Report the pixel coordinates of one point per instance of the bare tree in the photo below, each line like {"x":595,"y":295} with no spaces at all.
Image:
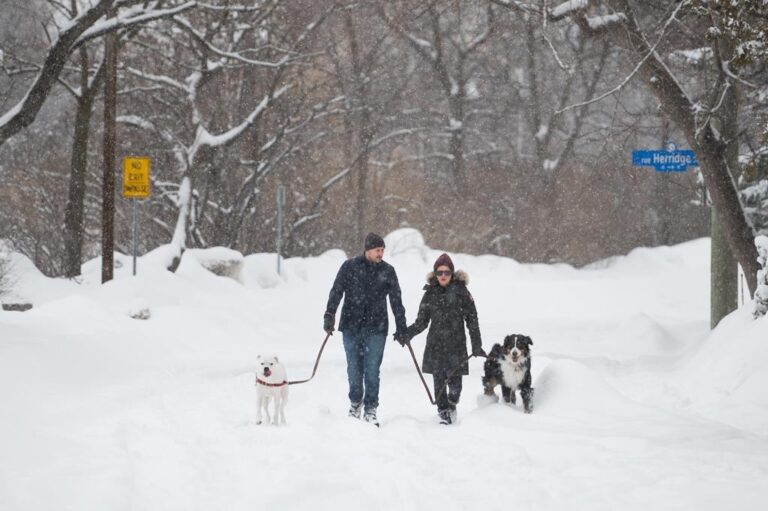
{"x":447,"y":36}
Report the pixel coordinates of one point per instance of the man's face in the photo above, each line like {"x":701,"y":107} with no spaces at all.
{"x":375,"y":255}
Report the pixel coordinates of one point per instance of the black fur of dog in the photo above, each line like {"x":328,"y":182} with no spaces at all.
{"x":509,"y":365}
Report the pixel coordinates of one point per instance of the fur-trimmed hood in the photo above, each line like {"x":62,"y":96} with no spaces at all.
{"x":459,"y":276}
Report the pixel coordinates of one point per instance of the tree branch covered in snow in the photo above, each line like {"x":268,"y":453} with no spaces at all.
{"x":89,"y":24}
{"x":132,"y":17}
{"x":24,"y":113}
{"x":613,"y":22}
{"x":519,"y":6}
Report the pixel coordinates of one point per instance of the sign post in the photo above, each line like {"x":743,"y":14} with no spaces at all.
{"x":136,"y":186}
{"x":280,"y":204}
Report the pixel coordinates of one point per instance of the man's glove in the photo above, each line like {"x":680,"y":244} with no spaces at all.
{"x":479,"y":352}
{"x":402,"y":338}
{"x":328,"y":321}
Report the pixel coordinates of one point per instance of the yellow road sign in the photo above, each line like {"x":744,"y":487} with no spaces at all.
{"x":136,"y":177}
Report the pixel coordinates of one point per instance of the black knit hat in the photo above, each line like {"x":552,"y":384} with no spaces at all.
{"x":373,"y":241}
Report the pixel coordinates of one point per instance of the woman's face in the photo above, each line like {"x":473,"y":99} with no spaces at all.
{"x":444,"y":275}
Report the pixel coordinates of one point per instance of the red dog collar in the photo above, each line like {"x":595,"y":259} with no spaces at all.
{"x":260,"y":382}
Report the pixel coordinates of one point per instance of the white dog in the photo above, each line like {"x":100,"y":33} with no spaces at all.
{"x":271,"y":385}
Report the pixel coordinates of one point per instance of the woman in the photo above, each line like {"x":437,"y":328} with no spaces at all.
{"x":445,"y":307}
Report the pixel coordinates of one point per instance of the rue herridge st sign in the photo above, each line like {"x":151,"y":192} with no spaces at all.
{"x":670,"y":159}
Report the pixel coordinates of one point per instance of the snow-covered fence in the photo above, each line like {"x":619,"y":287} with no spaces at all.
{"x":761,"y":293}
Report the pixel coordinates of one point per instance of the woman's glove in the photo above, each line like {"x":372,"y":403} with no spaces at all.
{"x":479,"y":352}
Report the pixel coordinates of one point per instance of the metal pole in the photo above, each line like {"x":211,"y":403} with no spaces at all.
{"x":280,"y":202}
{"x":135,"y":243}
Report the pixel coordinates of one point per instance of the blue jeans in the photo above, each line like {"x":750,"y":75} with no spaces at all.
{"x":364,"y":355}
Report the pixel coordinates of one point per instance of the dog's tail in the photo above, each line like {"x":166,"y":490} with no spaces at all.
{"x":495,"y":351}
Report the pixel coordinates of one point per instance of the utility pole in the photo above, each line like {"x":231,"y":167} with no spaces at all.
{"x":110,"y":129}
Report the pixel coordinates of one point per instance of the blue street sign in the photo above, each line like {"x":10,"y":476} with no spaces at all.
{"x":665,"y":160}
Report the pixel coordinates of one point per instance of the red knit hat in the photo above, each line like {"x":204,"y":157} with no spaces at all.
{"x":443,"y":260}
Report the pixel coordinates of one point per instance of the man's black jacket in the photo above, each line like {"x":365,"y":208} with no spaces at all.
{"x":365,"y":286}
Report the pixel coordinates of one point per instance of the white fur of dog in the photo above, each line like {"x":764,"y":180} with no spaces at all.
{"x":271,"y":385}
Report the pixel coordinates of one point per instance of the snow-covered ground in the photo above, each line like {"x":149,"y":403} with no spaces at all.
{"x":638,"y":405}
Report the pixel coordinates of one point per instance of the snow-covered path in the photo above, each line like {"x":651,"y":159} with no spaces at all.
{"x":637,"y":406}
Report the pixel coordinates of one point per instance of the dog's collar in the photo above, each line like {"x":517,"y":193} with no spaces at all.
{"x":262,"y":382}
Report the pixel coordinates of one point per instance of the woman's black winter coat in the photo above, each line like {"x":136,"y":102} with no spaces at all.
{"x":445,"y":310}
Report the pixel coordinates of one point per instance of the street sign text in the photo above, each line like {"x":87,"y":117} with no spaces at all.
{"x":136,"y":177}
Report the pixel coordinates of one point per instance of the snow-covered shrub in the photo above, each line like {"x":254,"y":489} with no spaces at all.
{"x":5,"y":271}
{"x":761,"y":293}
{"x":755,"y":200}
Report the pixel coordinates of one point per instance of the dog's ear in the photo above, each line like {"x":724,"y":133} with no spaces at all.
{"x":528,"y":340}
{"x":258,"y":357}
{"x":276,"y":360}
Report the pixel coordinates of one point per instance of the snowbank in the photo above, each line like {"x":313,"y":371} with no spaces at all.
{"x":727,"y":372}
{"x":637,"y":405}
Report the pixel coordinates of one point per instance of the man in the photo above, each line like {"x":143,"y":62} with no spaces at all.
{"x":365,"y":281}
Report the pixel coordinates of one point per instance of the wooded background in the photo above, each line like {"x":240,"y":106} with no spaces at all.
{"x":493,"y":127}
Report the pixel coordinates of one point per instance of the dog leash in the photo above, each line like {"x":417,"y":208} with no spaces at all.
{"x":317,"y":362}
{"x":448,"y":375}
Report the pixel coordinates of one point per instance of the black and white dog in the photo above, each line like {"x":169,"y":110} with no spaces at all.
{"x":509,"y":365}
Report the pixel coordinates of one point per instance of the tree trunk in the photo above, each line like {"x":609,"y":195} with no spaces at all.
{"x":75,"y":209}
{"x":179,"y":240}
{"x":364,"y":129}
{"x":724,"y":286}
{"x":108,"y":191}
{"x":458,"y":158}
{"x":724,"y":275}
